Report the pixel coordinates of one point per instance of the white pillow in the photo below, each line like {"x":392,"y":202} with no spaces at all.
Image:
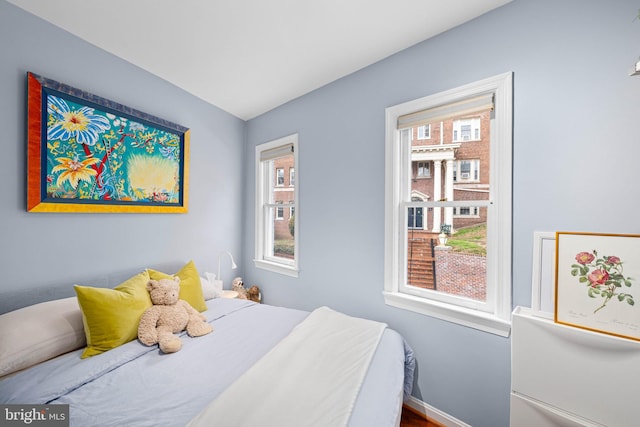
{"x":39,"y":332}
{"x":211,"y":288}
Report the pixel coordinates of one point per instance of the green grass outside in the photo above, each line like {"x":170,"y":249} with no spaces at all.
{"x":470,"y":240}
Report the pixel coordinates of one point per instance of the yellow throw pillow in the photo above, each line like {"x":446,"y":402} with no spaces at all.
{"x":190,"y":285}
{"x":111,"y":316}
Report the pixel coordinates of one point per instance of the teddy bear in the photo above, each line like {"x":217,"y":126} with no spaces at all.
{"x":253,"y":294}
{"x":238,"y":285}
{"x":169,"y":315}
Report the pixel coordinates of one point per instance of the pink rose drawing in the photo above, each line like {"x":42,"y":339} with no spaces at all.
{"x":598,"y":277}
{"x":584,"y":258}
{"x":613,"y":260}
{"x":604,"y":278}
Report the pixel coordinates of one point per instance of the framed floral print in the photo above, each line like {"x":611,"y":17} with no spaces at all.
{"x":88,"y":154}
{"x":597,"y":282}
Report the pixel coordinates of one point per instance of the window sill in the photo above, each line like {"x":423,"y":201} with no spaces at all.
{"x":462,"y":316}
{"x":276,"y":267}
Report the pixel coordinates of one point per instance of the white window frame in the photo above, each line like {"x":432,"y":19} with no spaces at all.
{"x":263,"y":231}
{"x":494,"y":315}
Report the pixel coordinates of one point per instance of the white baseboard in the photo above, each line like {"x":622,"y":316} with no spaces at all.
{"x":433,"y":413}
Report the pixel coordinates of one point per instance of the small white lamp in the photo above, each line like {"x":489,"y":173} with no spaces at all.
{"x":233,"y":265}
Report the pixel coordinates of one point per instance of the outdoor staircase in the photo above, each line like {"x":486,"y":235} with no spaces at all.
{"x":421,"y":266}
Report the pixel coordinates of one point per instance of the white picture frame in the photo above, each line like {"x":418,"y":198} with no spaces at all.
{"x":543,"y":274}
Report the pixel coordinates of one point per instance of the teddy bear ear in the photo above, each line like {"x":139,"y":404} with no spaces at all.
{"x":176,"y":279}
{"x":152,"y":284}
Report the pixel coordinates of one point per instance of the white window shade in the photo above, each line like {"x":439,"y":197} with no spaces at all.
{"x":276,"y":153}
{"x":465,"y":107}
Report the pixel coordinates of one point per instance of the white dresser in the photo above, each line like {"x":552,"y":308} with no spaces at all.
{"x":565,"y":376}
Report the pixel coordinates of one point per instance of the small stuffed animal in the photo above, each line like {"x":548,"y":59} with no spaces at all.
{"x":253,"y":294}
{"x":168,"y":316}
{"x":238,"y":285}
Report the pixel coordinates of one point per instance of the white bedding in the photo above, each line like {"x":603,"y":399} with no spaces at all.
{"x":135,"y":385}
{"x":317,"y":371}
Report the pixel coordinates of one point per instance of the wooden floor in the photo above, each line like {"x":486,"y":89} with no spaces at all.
{"x":413,"y":419}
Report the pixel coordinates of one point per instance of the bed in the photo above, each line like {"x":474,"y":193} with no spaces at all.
{"x":277,"y":365}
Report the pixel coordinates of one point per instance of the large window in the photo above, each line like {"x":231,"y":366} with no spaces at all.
{"x":459,"y":269}
{"x":277,"y":227}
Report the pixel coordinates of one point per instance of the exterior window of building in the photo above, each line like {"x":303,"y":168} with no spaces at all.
{"x":466,"y":130}
{"x":466,"y":211}
{"x":466,"y":170}
{"x":276,"y":230}
{"x":415,"y":218}
{"x":424,"y":132}
{"x":457,"y":266}
{"x":424,"y":169}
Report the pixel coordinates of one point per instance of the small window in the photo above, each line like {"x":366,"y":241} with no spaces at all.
{"x":466,"y":130}
{"x":465,"y":211}
{"x":276,"y":236}
{"x":424,"y":132}
{"x":466,"y":170}
{"x":415,"y":218}
{"x":424,"y":169}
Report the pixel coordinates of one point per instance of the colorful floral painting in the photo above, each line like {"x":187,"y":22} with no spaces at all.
{"x":94,"y":155}
{"x":595,"y":277}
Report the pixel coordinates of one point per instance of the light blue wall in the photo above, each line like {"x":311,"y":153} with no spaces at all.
{"x":44,"y":248}
{"x":576,"y":153}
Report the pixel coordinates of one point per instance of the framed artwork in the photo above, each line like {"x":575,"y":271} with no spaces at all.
{"x":88,"y":154}
{"x":598,"y":282}
{"x":542,"y":285}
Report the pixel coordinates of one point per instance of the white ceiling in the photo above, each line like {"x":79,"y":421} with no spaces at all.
{"x":249,"y":56}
